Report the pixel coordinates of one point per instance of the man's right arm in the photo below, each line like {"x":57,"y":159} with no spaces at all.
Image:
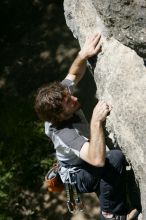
{"x":94,"y":152}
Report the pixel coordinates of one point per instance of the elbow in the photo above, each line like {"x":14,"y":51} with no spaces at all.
{"x":98,"y":163}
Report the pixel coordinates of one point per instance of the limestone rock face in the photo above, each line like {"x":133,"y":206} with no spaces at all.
{"x":126,"y":21}
{"x":119,"y":72}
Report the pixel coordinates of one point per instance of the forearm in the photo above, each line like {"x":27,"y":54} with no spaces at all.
{"x":97,"y":147}
{"x":94,"y":152}
{"x":77,"y":69}
{"x":91,"y":47}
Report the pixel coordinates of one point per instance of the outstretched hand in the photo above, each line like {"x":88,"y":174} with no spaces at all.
{"x":91,"y":46}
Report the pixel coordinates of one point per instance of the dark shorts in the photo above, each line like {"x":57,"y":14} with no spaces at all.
{"x":109,"y":181}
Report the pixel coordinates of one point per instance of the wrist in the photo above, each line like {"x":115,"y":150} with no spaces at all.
{"x":96,"y":124}
{"x":83,"y":56}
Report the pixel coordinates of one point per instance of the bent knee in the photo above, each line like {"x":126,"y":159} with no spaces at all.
{"x":116,"y":158}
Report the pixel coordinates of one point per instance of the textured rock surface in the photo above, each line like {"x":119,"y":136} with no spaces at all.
{"x":120,"y":76}
{"x":126,"y":20}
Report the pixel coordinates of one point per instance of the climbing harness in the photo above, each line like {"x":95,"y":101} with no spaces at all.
{"x":54,"y":184}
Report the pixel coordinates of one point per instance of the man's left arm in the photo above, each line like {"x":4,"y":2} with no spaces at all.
{"x":91,"y":47}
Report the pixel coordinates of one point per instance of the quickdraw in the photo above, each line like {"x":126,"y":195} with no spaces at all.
{"x":69,"y":202}
{"x":74,"y":202}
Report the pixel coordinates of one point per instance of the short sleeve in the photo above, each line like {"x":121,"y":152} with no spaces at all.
{"x":71,"y":138}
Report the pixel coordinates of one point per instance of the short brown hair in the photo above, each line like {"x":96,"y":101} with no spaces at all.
{"x":48,"y":101}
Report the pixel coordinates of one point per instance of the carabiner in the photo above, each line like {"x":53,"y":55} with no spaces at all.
{"x":71,"y":207}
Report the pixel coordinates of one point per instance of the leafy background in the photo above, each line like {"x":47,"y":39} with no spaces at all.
{"x":36,"y":48}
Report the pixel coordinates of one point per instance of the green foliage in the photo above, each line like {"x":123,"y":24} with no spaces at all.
{"x":4,"y":217}
{"x":25,"y":155}
{"x":34,"y":44}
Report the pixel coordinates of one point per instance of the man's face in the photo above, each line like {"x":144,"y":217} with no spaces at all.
{"x":70,"y":104}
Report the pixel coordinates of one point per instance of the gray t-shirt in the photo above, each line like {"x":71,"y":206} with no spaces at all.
{"x":69,"y":137}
